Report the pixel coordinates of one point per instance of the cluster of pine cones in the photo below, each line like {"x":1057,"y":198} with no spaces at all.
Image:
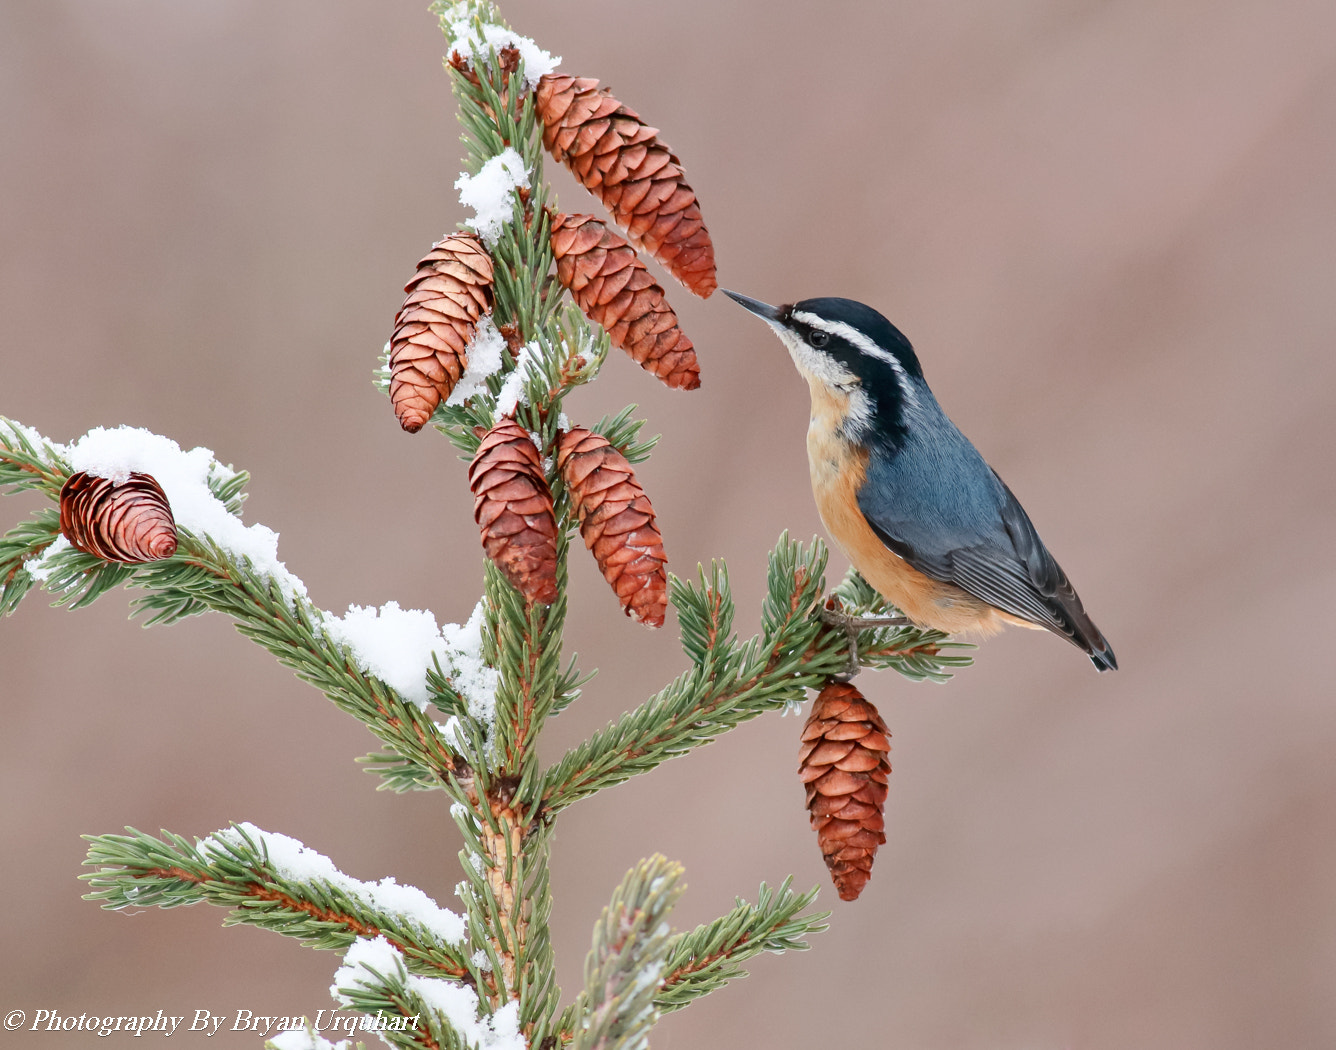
{"x":638,"y":179}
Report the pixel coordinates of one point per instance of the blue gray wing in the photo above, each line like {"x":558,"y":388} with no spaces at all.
{"x":947,"y":513}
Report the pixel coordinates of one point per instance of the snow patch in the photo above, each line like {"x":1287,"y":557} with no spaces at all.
{"x":13,"y":433}
{"x":295,"y":862}
{"x":396,"y":645}
{"x":474,"y":45}
{"x":466,"y":670}
{"x":484,"y":359}
{"x":511,"y":394}
{"x":399,"y":646}
{"x":456,"y":1003}
{"x":184,"y":476}
{"x":490,"y":193}
{"x":365,"y":959}
{"x":303,"y":1039}
{"x":41,"y":567}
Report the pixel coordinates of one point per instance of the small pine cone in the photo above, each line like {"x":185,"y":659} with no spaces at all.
{"x":613,"y":288}
{"x":620,"y":160}
{"x":617,"y":523}
{"x":126,"y":521}
{"x":451,"y":290}
{"x":513,"y":508}
{"x":843,"y":763}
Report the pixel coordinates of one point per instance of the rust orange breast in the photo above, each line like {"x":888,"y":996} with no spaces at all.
{"x":838,"y":470}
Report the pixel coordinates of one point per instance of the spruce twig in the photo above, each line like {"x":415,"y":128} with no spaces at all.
{"x":711,"y":955}
{"x":625,"y":967}
{"x":138,"y":870}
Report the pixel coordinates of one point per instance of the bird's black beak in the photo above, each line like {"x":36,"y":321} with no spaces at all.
{"x":762,"y":310}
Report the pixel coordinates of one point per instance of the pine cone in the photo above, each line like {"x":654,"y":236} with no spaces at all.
{"x":613,"y":288}
{"x":844,"y":765}
{"x":513,"y":508}
{"x":620,"y":160}
{"x":127,"y":521}
{"x":617,"y":523}
{"x":451,"y":290}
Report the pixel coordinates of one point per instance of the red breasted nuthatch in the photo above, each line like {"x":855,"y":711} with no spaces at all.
{"x":906,"y":496}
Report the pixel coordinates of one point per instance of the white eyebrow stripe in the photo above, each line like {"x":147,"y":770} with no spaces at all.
{"x":864,"y":345}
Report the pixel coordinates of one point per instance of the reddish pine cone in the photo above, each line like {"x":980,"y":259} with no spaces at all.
{"x":513,"y":508}
{"x":617,"y":523}
{"x":620,"y":160}
{"x":127,"y":521}
{"x":451,"y":290}
{"x":613,"y":288}
{"x":844,"y":765}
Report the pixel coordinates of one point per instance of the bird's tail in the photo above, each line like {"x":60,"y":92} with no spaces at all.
{"x":1089,"y":638}
{"x":1101,"y":655}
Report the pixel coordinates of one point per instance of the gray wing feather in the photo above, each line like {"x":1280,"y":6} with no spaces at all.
{"x":938,"y":505}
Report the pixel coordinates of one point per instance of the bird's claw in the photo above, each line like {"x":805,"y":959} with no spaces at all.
{"x":851,"y":625}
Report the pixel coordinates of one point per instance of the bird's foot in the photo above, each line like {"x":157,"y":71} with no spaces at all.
{"x":851,"y":625}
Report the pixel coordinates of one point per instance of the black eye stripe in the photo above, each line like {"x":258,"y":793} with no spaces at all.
{"x":816,"y":337}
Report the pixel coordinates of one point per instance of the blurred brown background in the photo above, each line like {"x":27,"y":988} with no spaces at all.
{"x":1110,"y":229}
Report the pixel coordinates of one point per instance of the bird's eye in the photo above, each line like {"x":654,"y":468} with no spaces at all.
{"x":818,"y":338}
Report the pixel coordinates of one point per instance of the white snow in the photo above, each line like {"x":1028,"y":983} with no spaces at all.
{"x":11,"y":431}
{"x":484,"y":359}
{"x":394,"y":644}
{"x":489,"y":193}
{"x":465,"y":39}
{"x":453,"y":732}
{"x":184,"y":476}
{"x":398,"y":646}
{"x":511,"y":393}
{"x":465,"y":669}
{"x":40,"y":567}
{"x":303,"y":1039}
{"x":296,"y":862}
{"x":456,"y":1003}
{"x":365,"y":955}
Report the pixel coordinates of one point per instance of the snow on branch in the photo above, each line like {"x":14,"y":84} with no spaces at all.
{"x":295,"y":862}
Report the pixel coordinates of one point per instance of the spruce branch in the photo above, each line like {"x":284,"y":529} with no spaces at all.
{"x":203,"y":577}
{"x":625,"y":966}
{"x":711,"y":955}
{"x":26,"y":541}
{"x":706,"y":615}
{"x":138,"y":870}
{"x":397,"y":773}
{"x":793,"y":652}
{"x":28,"y":460}
{"x":375,"y":981}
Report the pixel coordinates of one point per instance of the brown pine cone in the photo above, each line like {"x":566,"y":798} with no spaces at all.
{"x":451,"y":290}
{"x":620,"y":160}
{"x":617,"y":523}
{"x":513,"y":508}
{"x":844,"y":765}
{"x":127,"y":521}
{"x":613,"y":288}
